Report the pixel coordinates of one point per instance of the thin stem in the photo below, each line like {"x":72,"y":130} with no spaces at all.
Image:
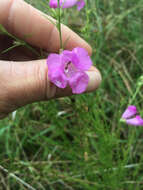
{"x":16,"y":178}
{"x":59,"y":25}
{"x":135,"y":94}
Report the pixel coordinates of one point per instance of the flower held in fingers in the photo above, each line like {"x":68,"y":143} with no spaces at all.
{"x":68,"y":68}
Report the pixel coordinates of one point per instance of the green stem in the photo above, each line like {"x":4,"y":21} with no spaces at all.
{"x":59,"y":25}
{"x":135,"y":94}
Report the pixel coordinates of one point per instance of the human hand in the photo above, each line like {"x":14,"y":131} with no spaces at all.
{"x":23,"y":79}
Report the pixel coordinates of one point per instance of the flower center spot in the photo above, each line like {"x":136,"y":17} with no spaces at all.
{"x":67,"y":67}
{"x":70,"y":69}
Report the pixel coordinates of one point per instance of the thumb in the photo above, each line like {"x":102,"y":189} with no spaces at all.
{"x":26,"y":82}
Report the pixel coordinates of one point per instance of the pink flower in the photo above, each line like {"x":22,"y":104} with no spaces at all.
{"x":137,"y":121}
{"x":67,"y":3}
{"x":68,"y":68}
{"x":129,"y":112}
{"x":130,"y":117}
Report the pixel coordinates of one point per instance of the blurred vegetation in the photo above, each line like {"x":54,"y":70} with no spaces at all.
{"x":78,"y":143}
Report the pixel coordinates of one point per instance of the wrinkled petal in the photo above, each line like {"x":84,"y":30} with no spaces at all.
{"x":79,"y":82}
{"x":136,"y":121}
{"x":81,"y":59}
{"x":80,"y":4}
{"x":54,"y":62}
{"x":70,"y":57}
{"x":59,"y":80}
{"x":63,"y":3}
{"x":129,"y":112}
{"x":66,"y":56}
{"x":56,"y":71}
{"x":68,"y":3}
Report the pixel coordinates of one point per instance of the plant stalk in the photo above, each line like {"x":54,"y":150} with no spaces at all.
{"x":59,"y":26}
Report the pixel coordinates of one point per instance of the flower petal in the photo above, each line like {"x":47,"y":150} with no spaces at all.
{"x":54,"y":61}
{"x":81,"y":59}
{"x":79,"y":82}
{"x":63,"y":3}
{"x":80,"y":4}
{"x":53,"y":3}
{"x":66,"y":56}
{"x":129,"y":112}
{"x":56,"y":71}
{"x":136,"y":121}
{"x":68,"y":3}
{"x":59,"y":80}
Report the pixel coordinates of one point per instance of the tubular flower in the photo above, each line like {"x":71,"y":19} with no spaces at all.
{"x":67,"y":4}
{"x":130,"y":117}
{"x":137,"y":121}
{"x":129,"y":112}
{"x":68,"y":68}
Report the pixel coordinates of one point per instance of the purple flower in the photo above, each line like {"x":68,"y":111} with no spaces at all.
{"x":67,"y":3}
{"x":129,"y":112}
{"x":68,"y":68}
{"x":137,"y":121}
{"x":130,"y":117}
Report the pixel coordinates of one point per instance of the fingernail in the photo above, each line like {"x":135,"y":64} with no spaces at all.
{"x":94,"y":80}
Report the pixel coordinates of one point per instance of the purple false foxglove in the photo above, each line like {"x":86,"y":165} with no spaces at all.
{"x":129,"y":116}
{"x":129,"y":112}
{"x":137,"y":121}
{"x":68,"y":68}
{"x":67,"y":4}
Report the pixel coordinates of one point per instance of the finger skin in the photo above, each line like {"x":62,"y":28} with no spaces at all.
{"x":28,"y":23}
{"x":26,"y":82}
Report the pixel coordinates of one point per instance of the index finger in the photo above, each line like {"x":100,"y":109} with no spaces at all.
{"x":29,"y":24}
